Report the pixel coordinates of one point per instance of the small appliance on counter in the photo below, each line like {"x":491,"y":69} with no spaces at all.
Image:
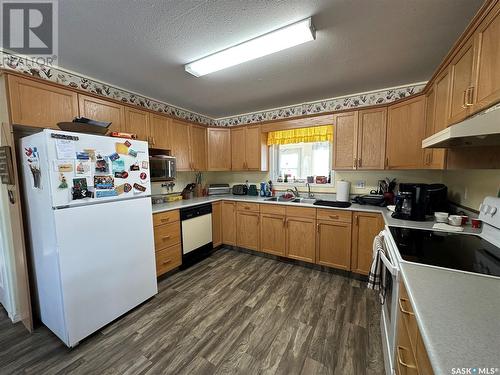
{"x":370,"y":199}
{"x":415,"y":201}
{"x":240,"y":189}
{"x":343,"y":191}
{"x":219,"y":189}
{"x":252,"y":190}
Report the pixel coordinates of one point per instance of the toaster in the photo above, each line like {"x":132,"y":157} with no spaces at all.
{"x":240,"y":189}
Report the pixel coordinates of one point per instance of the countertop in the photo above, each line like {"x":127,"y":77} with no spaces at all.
{"x":458,"y":315}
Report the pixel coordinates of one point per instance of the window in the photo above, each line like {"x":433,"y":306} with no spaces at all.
{"x":297,"y":161}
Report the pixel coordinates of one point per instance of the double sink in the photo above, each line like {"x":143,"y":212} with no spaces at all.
{"x":295,"y":200}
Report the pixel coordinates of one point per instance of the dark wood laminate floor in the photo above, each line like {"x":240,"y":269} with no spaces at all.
{"x":233,"y":313}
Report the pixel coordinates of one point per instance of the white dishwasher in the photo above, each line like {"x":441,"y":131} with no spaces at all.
{"x":196,"y":227}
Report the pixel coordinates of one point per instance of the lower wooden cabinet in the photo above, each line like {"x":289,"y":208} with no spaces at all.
{"x":272,"y":234}
{"x":301,"y":238}
{"x":333,"y":244}
{"x":167,"y":237}
{"x":411,"y":355}
{"x":216,"y":224}
{"x":247,"y":230}
{"x":366,"y":226}
{"x":228,"y":211}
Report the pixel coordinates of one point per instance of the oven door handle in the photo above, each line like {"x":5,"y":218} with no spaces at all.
{"x":393,"y":270}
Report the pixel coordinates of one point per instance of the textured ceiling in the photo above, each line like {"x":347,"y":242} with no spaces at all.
{"x":361,"y":45}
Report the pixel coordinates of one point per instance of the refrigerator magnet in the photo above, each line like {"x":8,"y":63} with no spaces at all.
{"x":127,"y":187}
{"x":63,"y":166}
{"x":134,"y":167}
{"x":91,"y":153}
{"x":118,"y":165}
{"x":80,"y":189}
{"x":104,"y":182}
{"x":121,"y":148}
{"x":120,"y":189}
{"x":105,"y":193}
{"x":139,"y":188}
{"x":143,"y":175}
{"x":145,"y":164}
{"x":132,"y":152}
{"x":63,"y":183}
{"x":127,"y":143}
{"x":82,"y":155}
{"x":114,"y":156}
{"x":102,"y":165}
{"x":122,"y":174}
{"x":83,"y":168}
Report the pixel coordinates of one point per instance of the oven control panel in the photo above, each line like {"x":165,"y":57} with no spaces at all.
{"x":489,"y":211}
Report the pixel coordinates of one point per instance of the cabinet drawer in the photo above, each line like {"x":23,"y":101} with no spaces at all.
{"x":252,"y":207}
{"x":167,"y":235}
{"x":168,"y":259}
{"x":405,"y":359}
{"x":272,"y":209}
{"x":301,"y":212}
{"x":408,"y":317}
{"x":335,"y":215}
{"x":165,"y":217}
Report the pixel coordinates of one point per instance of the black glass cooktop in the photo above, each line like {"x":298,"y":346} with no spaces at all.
{"x":449,"y":250}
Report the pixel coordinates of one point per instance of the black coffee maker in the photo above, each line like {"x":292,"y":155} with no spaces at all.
{"x":415,"y":201}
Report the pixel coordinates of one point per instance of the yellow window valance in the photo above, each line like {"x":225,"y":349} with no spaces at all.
{"x":312,"y":134}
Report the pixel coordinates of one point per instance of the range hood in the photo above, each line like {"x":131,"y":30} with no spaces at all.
{"x":481,"y":130}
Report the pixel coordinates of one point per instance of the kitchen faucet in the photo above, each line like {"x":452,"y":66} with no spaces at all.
{"x":309,"y":194}
{"x":294,"y":191}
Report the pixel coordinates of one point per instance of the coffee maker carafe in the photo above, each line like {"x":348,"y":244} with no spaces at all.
{"x":411,"y":202}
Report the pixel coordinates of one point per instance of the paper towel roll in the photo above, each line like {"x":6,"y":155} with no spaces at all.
{"x":343,"y":191}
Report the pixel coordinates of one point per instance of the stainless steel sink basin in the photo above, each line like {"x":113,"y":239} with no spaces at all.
{"x":296,"y":200}
{"x":277,"y":199}
{"x":304,"y":200}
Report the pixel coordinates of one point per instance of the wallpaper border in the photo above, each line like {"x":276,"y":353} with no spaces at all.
{"x":59,"y":75}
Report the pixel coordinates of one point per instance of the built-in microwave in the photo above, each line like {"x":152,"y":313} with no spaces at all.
{"x":162,"y":168}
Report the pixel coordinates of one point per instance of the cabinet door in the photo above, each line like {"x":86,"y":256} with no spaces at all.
{"x":487,"y":66}
{"x":301,"y":238}
{"x":238,"y":143}
{"x":434,"y":158}
{"x":272,"y":234}
{"x":405,"y":131}
{"x":179,"y":141}
{"x":216,"y":224}
{"x":159,"y":131}
{"x":366,"y":226}
{"x":228,"y":223}
{"x":345,"y":140}
{"x":102,"y":110}
{"x":40,"y":105}
{"x":198,"y":147}
{"x":247,"y":230}
{"x":137,"y":122}
{"x":333,"y":244}
{"x":219,"y":149}
{"x":253,"y":144}
{"x":461,"y":83}
{"x":371,"y":138}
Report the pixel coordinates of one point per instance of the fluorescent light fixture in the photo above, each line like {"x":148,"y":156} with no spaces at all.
{"x":274,"y":41}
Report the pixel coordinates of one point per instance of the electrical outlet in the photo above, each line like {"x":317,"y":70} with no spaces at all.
{"x":360,"y":184}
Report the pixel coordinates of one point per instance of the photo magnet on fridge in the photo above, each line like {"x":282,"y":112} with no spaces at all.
{"x":145,"y":165}
{"x":104,"y":182}
{"x":127,"y":143}
{"x":132,"y":152}
{"x":105,"y":193}
{"x":134,"y":167}
{"x":80,"y":189}
{"x":64,"y":183}
{"x":118,"y":165}
{"x":82,"y":155}
{"x":83,"y":168}
{"x":122,"y":174}
{"x":127,"y":188}
{"x":91,"y":153}
{"x":102,"y":165}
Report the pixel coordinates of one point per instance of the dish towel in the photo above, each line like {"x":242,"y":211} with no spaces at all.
{"x":375,"y":275}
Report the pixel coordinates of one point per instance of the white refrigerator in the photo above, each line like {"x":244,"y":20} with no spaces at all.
{"x":91,"y":230}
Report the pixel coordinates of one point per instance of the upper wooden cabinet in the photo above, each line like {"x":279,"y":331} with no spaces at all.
{"x":102,"y":110}
{"x":345,"y":142}
{"x":371,"y":138}
{"x":434,"y":158}
{"x":460,"y":84}
{"x":359,"y":141}
{"x":137,"y":122}
{"x":248,"y":149}
{"x":405,"y":131}
{"x":179,"y":140}
{"x":40,"y":105}
{"x":198,"y":147}
{"x":219,"y":149}
{"x":486,"y":76}
{"x":159,"y":131}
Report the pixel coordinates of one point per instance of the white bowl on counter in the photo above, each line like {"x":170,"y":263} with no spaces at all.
{"x":441,"y":217}
{"x":455,"y":220}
